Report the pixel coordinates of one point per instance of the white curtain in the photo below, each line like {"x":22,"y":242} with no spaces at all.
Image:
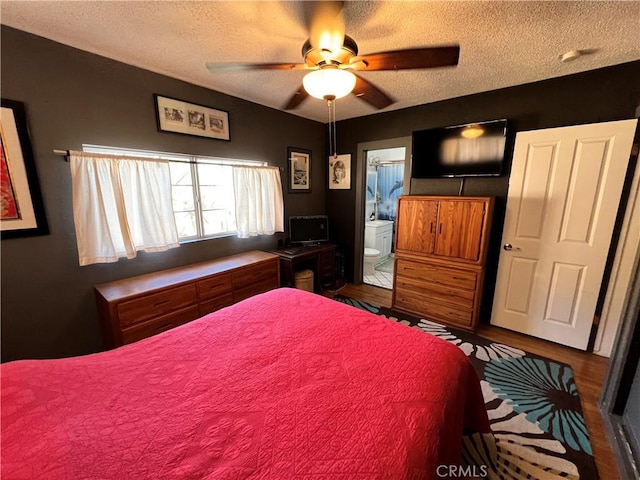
{"x":120,"y":206}
{"x":259,"y":203}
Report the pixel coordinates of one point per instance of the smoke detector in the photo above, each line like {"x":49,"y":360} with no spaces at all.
{"x":570,"y":56}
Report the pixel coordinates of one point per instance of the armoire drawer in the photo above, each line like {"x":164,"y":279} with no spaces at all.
{"x":436,"y":274}
{"x":432,"y":310}
{"x":156,"y":304}
{"x":443,"y":293}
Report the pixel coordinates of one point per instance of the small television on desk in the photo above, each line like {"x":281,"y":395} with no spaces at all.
{"x":309,"y":229}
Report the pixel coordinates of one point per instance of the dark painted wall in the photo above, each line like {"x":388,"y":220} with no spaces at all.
{"x":601,"y":95}
{"x":73,"y":97}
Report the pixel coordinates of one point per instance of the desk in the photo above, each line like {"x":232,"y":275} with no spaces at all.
{"x":319,"y":258}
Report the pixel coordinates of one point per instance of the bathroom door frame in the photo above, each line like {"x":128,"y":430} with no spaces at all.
{"x":361,"y":191}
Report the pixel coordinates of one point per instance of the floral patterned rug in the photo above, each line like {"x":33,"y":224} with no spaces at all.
{"x":538,"y":430}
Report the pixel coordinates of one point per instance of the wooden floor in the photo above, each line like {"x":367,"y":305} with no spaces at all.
{"x":589,"y":371}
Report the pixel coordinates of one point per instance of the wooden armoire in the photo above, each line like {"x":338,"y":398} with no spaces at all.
{"x":440,"y":256}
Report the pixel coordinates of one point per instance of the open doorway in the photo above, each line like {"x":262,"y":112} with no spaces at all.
{"x":383,"y":206}
{"x":384,"y":183}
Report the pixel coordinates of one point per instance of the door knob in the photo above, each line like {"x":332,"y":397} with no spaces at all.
{"x":508,"y":247}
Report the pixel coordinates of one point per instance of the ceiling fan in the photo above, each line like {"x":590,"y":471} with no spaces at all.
{"x":331,"y":57}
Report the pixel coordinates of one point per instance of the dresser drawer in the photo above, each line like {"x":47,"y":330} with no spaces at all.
{"x":326,"y":270}
{"x":436,"y":274}
{"x":435,"y":291}
{"x":432,"y":310}
{"x":254,"y":289}
{"x":159,"y":324}
{"x":216,"y":303}
{"x":266,"y":271}
{"x":326,"y":262}
{"x":215,"y":286}
{"x":154,"y":305}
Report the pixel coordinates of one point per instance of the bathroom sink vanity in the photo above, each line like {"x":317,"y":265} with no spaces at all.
{"x":378,"y":234}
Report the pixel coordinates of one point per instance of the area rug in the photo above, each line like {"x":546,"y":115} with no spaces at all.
{"x":538,"y":429}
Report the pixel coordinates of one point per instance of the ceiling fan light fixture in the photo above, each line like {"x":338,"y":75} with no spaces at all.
{"x":329,"y":83}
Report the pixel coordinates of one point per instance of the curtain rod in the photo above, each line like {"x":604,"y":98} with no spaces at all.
{"x":66,"y":153}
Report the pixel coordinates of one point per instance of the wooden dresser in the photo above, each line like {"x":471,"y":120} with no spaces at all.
{"x":441,"y":251}
{"x":138,"y":307}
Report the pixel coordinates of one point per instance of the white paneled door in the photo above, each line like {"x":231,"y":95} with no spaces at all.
{"x":564,"y":193}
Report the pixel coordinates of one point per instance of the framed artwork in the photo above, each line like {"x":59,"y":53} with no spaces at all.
{"x":191,"y":119}
{"x":21,"y":209}
{"x":299,"y":170}
{"x":340,"y":172}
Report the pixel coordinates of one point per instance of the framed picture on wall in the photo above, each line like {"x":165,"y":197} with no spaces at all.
{"x":178,"y":116}
{"x":340,"y":172}
{"x":21,"y":209}
{"x":298,"y":170}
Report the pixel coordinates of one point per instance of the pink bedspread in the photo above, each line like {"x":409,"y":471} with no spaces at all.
{"x":285,"y":385}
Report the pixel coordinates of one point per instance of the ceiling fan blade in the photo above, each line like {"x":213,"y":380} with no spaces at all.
{"x":326,"y":30}
{"x":243,"y":67}
{"x":412,"y":58}
{"x":296,"y":99}
{"x":371,"y":94}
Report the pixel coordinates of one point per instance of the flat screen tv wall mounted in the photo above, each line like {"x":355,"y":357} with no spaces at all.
{"x":471,"y":150}
{"x":308,"y":229}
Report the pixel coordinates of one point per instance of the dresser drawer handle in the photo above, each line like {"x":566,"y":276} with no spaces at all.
{"x":162,"y":328}
{"x":159,"y":304}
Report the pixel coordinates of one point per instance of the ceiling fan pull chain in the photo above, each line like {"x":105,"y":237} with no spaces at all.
{"x":331,"y":150}
{"x":331,"y":133}
{"x":333,"y":141}
{"x":329,"y":120}
{"x":333,"y":122}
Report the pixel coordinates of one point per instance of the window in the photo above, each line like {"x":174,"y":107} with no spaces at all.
{"x":201,"y":190}
{"x":203,"y":200}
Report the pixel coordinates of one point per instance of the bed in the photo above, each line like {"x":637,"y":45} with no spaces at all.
{"x":283,"y":385}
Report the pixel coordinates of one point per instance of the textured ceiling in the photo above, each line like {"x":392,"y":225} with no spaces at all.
{"x":502,"y":43}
